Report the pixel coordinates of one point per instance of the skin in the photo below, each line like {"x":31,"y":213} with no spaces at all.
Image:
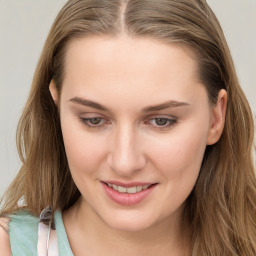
{"x":5,"y":247}
{"x":127,"y":75}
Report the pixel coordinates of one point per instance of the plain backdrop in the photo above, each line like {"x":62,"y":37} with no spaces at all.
{"x":24,"y":25}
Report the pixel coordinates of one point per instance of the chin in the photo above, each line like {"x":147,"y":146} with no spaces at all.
{"x":129,"y":222}
{"x":129,"y":226}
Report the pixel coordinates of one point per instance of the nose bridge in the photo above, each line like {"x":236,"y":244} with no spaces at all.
{"x":126,"y":155}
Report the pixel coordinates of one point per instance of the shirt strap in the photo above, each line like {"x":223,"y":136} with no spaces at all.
{"x":47,"y":237}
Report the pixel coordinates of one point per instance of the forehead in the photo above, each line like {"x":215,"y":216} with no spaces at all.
{"x":144,"y":53}
{"x":126,"y":66}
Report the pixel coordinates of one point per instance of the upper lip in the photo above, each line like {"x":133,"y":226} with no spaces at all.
{"x":127,"y":185}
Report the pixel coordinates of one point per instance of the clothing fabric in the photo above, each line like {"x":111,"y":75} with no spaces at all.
{"x":30,"y":237}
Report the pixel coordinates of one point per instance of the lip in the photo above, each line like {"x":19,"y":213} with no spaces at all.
{"x":127,"y":199}
{"x":127,"y":185}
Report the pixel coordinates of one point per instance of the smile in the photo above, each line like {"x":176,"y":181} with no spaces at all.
{"x":129,"y":190}
{"x":128,"y":194}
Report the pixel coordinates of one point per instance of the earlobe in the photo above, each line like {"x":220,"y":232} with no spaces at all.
{"x":54,"y":92}
{"x":218,"y":118}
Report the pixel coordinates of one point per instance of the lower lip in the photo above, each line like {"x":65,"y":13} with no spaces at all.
{"x":126,"y":198}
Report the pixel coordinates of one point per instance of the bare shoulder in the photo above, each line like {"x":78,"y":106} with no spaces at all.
{"x":5,"y":247}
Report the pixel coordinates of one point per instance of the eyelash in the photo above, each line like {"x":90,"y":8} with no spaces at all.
{"x":170,"y":122}
{"x":86,"y":121}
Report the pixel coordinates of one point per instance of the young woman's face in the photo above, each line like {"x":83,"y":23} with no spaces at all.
{"x":135,"y":122}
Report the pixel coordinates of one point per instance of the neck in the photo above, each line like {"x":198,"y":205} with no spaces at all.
{"x":85,"y":229}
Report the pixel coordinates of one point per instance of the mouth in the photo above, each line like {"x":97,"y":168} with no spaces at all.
{"x":129,"y":189}
{"x":128,"y":194}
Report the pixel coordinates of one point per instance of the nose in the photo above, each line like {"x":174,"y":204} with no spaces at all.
{"x":126,"y":154}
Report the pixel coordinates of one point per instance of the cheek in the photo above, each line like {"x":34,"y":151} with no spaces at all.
{"x":179,"y":155}
{"x":178,"y":160}
{"x":82,"y":148}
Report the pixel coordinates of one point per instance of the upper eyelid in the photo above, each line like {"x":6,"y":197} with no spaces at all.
{"x":97,"y":115}
{"x":171,"y":122}
{"x":88,"y":118}
{"x":170,"y":119}
{"x":147,"y":115}
{"x":93,"y":114}
{"x":146,"y":118}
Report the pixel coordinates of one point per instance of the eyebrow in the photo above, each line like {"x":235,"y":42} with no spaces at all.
{"x":165,"y":105}
{"x":89,"y":103}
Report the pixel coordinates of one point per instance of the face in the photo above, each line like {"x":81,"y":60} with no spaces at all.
{"x":135,"y":122}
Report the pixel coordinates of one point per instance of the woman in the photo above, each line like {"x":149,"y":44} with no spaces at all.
{"x":136,"y":138}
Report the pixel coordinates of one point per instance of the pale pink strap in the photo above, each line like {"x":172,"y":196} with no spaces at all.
{"x":47,"y":241}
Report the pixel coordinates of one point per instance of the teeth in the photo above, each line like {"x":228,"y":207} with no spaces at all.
{"x":121,"y":189}
{"x":139,"y":188}
{"x":130,"y":190}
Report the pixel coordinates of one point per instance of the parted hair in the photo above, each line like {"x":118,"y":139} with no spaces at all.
{"x":221,"y":209}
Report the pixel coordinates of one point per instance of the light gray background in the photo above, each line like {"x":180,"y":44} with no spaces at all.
{"x":24,"y":25}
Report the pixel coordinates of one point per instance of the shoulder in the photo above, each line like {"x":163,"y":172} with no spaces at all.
{"x":23,"y":229}
{"x":5,"y":246}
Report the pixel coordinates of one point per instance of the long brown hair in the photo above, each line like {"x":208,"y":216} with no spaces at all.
{"x":222,"y":205}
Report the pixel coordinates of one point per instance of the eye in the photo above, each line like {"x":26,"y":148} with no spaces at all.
{"x":162,"y":122}
{"x":94,"y":122}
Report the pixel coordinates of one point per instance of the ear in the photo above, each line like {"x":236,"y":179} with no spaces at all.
{"x":218,"y":118}
{"x":54,"y":92}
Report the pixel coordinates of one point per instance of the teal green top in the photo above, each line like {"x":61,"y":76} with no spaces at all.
{"x":23,"y":232}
